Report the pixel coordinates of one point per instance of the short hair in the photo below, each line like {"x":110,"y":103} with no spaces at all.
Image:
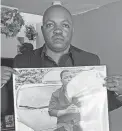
{"x":58,"y":5}
{"x":64,"y":71}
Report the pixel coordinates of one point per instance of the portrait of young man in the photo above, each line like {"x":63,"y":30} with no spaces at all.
{"x":66,"y":110}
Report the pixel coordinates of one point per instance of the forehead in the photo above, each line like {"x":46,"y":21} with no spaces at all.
{"x":67,"y":74}
{"x":57,"y":13}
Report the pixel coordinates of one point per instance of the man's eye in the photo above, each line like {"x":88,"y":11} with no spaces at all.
{"x":49,"y":25}
{"x":65,"y":77}
{"x":66,"y":25}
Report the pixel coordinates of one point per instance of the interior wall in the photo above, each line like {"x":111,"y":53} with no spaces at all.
{"x":8,"y":47}
{"x":100,"y":31}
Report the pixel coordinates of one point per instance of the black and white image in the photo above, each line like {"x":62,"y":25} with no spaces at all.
{"x":73,"y":98}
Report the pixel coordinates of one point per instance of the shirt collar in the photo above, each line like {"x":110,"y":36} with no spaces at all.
{"x":43,"y":51}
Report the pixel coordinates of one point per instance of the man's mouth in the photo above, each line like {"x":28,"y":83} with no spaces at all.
{"x":58,"y":38}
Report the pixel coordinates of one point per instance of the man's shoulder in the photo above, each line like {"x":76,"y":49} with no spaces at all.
{"x":87,"y":58}
{"x":80,"y":52}
{"x":34,"y":52}
{"x":27,"y":59}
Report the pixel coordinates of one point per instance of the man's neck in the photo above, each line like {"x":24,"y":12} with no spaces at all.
{"x":56,"y":55}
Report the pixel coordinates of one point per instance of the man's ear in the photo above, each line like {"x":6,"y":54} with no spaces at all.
{"x":42,"y":29}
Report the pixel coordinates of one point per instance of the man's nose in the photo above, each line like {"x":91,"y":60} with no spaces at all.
{"x":57,"y":31}
{"x":69,"y":79}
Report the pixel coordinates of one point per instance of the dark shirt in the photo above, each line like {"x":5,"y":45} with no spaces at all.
{"x":65,"y":61}
{"x":59,"y":101}
{"x":38,"y":58}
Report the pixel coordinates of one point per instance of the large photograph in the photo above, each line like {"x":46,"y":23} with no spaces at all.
{"x":61,"y":99}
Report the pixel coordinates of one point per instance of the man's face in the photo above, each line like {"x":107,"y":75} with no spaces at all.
{"x":66,"y":77}
{"x":57,"y":29}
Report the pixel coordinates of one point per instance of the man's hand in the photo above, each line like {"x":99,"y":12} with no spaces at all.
{"x":72,"y":109}
{"x":75,"y":101}
{"x":114,"y":83}
{"x":6,"y":73}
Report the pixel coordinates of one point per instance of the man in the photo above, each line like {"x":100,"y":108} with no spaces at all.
{"x":65,"y":110}
{"x":57,"y":51}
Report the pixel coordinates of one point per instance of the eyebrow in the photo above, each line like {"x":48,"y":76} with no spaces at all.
{"x":54,"y":21}
{"x":45,"y":22}
{"x":67,"y":21}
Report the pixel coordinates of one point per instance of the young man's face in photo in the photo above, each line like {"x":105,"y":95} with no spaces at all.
{"x":66,"y":77}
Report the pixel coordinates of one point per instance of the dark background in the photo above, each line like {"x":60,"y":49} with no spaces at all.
{"x":7,"y":105}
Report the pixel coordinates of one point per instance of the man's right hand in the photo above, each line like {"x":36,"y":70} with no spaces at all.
{"x":6,"y":73}
{"x":72,"y":109}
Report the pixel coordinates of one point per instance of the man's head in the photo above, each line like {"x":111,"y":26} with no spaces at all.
{"x":66,"y":77}
{"x":57,"y":28}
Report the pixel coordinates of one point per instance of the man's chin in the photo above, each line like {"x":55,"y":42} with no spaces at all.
{"x":59,"y":48}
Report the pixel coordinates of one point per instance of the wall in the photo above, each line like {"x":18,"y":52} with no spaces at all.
{"x":100,"y":31}
{"x":8,"y":47}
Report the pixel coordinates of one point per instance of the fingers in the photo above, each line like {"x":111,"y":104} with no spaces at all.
{"x":5,"y":77}
{"x":72,"y":109}
{"x":114,"y":77}
{"x":9,"y":69}
{"x":113,"y":89}
{"x":6,"y":73}
{"x":112,"y":83}
{"x":3,"y":82}
{"x":76,"y":101}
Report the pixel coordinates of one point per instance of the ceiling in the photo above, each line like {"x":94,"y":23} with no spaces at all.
{"x":39,"y":6}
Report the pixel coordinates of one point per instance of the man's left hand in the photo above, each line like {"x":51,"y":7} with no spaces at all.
{"x":114,"y":83}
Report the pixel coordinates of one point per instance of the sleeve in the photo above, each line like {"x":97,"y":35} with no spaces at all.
{"x":22,"y":61}
{"x":113,"y":102}
{"x":18,"y":61}
{"x":15,"y":63}
{"x":92,"y":60}
{"x":53,"y":106}
{"x":97,"y":60}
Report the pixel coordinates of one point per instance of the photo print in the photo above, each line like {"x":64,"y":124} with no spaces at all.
{"x":61,"y":99}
